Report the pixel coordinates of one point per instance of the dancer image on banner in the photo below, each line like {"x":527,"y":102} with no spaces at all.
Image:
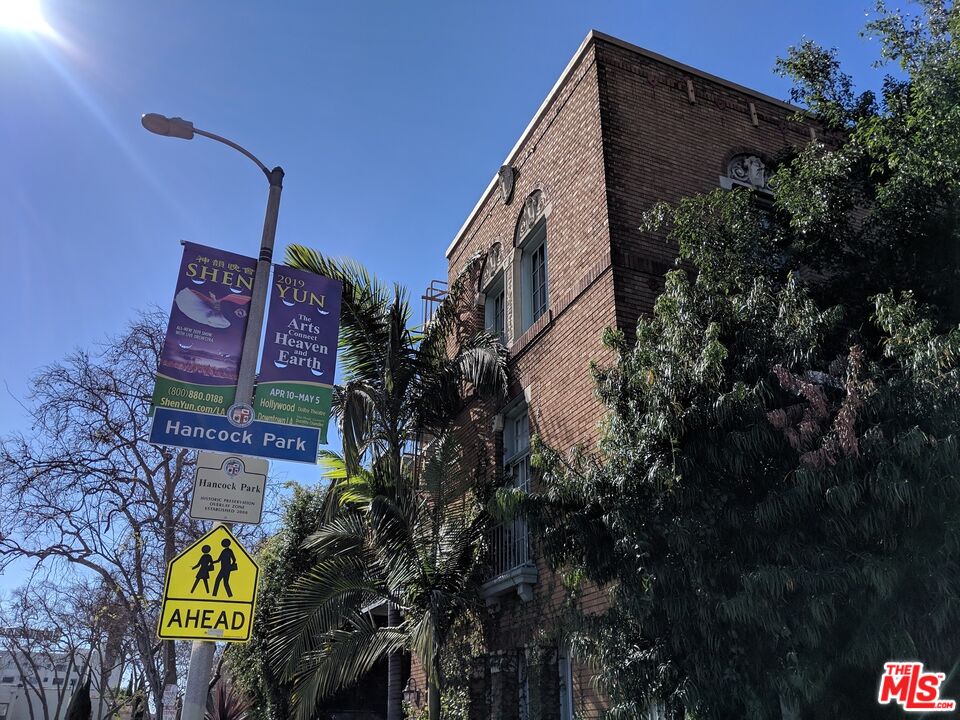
{"x":203,"y":568}
{"x":228,"y":563}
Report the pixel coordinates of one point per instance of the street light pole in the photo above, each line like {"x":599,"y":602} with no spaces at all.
{"x":201,"y":652}
{"x":251,"y":340}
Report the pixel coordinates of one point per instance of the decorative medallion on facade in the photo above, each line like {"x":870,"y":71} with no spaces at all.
{"x":533,"y":208}
{"x":507,"y":176}
{"x":491,"y":265}
{"x":749,"y":170}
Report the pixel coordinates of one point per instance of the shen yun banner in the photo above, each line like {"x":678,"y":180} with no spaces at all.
{"x":200,"y":359}
{"x":295,"y":384}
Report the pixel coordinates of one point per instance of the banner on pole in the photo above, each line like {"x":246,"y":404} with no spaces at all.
{"x":201,"y":351}
{"x":299,"y":356}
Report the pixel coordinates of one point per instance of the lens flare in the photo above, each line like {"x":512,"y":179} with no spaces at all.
{"x":23,"y":16}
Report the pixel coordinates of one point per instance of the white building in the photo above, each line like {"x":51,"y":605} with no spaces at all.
{"x":27,"y":680}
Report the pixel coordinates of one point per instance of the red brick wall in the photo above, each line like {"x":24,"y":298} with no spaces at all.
{"x":662,"y":143}
{"x":563,"y":157}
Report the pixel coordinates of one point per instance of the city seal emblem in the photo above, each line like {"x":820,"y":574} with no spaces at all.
{"x":240,"y":415}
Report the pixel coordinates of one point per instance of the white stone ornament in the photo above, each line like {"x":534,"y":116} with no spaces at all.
{"x":507,"y":177}
{"x":749,"y":170}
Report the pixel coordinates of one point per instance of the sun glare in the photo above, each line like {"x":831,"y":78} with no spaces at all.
{"x":23,"y":16}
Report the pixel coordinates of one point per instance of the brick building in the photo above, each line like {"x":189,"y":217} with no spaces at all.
{"x":621,"y":129}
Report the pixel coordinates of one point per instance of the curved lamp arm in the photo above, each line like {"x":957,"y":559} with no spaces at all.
{"x":184,"y":129}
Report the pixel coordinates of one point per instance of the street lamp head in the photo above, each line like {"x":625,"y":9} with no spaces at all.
{"x":171,"y":127}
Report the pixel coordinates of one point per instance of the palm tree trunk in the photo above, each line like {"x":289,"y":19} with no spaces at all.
{"x":395,"y":660}
{"x":433,"y":692}
{"x":394,"y":672}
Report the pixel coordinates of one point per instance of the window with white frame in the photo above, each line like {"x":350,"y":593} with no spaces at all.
{"x":531,"y":287}
{"x":533,"y":275}
{"x":516,"y":448}
{"x":495,"y":308}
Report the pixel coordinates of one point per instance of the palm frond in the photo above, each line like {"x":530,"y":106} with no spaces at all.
{"x":482,"y":362}
{"x":346,"y":489}
{"x":423,"y":644}
{"x":354,"y":405}
{"x":447,"y":320}
{"x":363,"y":309}
{"x":441,"y":467}
{"x":340,"y":659}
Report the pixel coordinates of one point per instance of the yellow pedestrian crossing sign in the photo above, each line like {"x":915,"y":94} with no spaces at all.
{"x":210,"y":592}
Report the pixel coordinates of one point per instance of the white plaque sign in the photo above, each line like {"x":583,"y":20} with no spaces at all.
{"x":228,"y":488}
{"x":170,"y":702}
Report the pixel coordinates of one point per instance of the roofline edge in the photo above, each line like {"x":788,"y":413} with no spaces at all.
{"x":534,"y":121}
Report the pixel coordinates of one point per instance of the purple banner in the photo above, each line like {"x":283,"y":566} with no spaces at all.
{"x":299,"y":357}
{"x":201,"y":352}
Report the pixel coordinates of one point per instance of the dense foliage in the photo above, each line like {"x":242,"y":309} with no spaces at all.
{"x":424,"y":553}
{"x":282,"y":558}
{"x":775,"y":505}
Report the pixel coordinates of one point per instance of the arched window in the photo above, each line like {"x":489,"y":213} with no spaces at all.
{"x":531,"y":293}
{"x":494,"y":290}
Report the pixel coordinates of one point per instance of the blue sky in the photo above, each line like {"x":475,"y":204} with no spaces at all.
{"x":388,"y":118}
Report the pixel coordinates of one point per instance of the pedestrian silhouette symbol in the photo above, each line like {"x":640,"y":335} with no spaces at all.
{"x":228,"y":563}
{"x":203,"y":568}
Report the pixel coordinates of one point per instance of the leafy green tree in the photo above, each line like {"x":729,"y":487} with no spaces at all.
{"x":424,"y":553}
{"x":402,"y":385}
{"x":775,"y":504}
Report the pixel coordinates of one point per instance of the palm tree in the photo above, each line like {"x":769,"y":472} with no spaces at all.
{"x":401,"y":382}
{"x":424,"y":554}
{"x":401,"y":385}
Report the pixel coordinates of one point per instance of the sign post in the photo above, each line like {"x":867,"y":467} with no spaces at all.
{"x":227,"y":434}
{"x":204,"y":399}
{"x":201,"y":654}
